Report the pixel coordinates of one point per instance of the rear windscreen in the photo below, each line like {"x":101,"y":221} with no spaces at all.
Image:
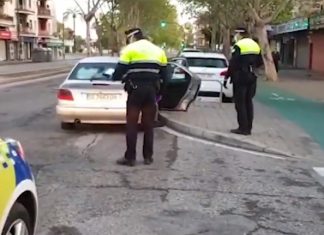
{"x":207,"y":62}
{"x":93,"y":71}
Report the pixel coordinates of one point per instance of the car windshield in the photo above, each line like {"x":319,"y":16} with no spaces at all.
{"x":207,"y":62}
{"x":93,"y":71}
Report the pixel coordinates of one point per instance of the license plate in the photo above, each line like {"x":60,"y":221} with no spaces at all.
{"x":102,"y":96}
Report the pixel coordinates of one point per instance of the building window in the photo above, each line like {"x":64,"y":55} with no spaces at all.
{"x":30,"y":4}
{"x":31,"y":24}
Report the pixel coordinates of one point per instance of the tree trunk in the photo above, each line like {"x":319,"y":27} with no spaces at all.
{"x":270,"y":69}
{"x":88,"y":38}
{"x":213,"y":37}
{"x":227,"y":42}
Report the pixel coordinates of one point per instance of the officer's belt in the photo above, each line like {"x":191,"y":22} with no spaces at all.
{"x":143,"y":70}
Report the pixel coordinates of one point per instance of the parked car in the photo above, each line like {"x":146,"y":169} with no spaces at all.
{"x":88,"y":95}
{"x":18,"y":197}
{"x":211,"y":68}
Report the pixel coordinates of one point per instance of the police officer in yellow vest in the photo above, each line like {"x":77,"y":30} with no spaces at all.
{"x":142,"y":66}
{"x":246,"y":57}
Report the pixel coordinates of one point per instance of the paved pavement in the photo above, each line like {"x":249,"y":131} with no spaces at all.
{"x":192,"y":188}
{"x":289,"y":114}
{"x":299,"y":99}
{"x":16,"y":62}
{"x":271,"y":130}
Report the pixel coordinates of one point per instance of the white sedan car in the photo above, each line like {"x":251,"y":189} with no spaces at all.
{"x":211,"y":68}
{"x":88,"y":95}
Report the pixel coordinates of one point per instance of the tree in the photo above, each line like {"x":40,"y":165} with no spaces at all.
{"x":255,"y":15}
{"x":74,"y":13}
{"x":120,"y":15}
{"x":88,"y":15}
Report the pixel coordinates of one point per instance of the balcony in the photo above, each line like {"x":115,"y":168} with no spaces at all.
{"x":44,"y":34}
{"x":6,"y":20}
{"x":25,"y":31}
{"x":23,"y":9}
{"x":44,"y":13}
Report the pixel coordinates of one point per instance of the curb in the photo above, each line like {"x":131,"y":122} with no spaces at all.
{"x":221,"y":138}
{"x":34,"y":76}
{"x":33,"y":72}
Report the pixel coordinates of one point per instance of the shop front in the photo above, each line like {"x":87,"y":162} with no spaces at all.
{"x":28,"y":44}
{"x":293,"y":42}
{"x":56,"y":46}
{"x":5,"y":37}
{"x":317,"y":43}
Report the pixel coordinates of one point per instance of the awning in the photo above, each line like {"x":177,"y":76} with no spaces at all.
{"x":5,"y":35}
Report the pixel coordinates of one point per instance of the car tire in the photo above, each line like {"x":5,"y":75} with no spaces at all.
{"x":67,"y":126}
{"x":227,"y":99}
{"x":18,"y":214}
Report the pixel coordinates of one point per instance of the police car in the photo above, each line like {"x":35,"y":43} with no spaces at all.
{"x":18,"y":197}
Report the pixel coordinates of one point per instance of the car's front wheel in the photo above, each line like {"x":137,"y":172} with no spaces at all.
{"x":67,"y":126}
{"x":18,"y":221}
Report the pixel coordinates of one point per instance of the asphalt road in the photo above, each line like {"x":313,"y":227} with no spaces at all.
{"x":192,"y":188}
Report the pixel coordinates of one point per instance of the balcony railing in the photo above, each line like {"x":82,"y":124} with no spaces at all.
{"x":42,"y":11}
{"x":24,"y":9}
{"x":43,"y":33}
{"x":6,"y":17}
{"x":26,"y":30}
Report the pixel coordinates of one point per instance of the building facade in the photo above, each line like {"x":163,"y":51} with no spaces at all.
{"x":24,"y":25}
{"x":292,"y":41}
{"x":301,"y":42}
{"x":316,"y":38}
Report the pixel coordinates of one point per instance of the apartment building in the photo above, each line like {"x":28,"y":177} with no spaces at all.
{"x":25,"y":24}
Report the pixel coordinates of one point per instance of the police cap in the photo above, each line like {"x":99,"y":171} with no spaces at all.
{"x":133,"y":31}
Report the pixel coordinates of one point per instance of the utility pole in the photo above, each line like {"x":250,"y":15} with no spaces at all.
{"x":18,"y":30}
{"x":74,"y":38}
{"x":63,"y":36}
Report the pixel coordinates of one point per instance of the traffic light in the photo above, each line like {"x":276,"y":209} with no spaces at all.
{"x":163,"y":24}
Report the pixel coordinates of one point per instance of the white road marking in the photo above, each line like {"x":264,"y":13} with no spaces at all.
{"x":20,"y":83}
{"x":206,"y":142}
{"x":319,"y":170}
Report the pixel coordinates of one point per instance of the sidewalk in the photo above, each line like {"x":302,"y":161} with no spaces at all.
{"x":18,"y":62}
{"x":271,"y":134}
{"x":289,"y":118}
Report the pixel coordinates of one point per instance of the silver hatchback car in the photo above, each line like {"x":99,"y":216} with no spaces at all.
{"x":88,"y":94}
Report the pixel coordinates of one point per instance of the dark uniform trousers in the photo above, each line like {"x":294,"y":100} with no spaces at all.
{"x":243,"y":98}
{"x":140,"y":100}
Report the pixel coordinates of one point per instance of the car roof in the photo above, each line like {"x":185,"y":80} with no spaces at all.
{"x":203,"y":55}
{"x":100,"y":59}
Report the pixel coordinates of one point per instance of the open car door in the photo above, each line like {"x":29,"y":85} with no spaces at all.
{"x":180,"y":90}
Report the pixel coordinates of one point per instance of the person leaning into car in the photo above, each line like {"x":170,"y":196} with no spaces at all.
{"x":141,"y":66}
{"x":246,"y":57}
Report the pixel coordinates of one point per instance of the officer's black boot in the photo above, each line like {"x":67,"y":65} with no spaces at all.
{"x":148,"y":161}
{"x":126,"y":162}
{"x":240,"y":132}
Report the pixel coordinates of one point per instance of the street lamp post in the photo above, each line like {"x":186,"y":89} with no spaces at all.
{"x":74,"y":38}
{"x":63,"y":36}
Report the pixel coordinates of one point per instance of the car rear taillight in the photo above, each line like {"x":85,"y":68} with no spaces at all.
{"x":224,"y":73}
{"x":64,"y":94}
